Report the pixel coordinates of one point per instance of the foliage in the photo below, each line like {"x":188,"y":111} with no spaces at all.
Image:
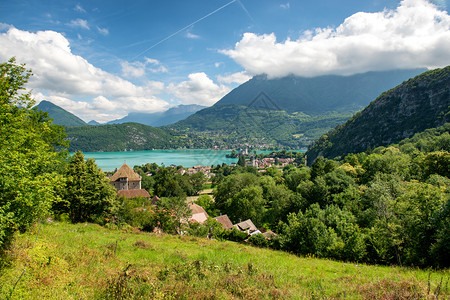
{"x":31,"y":155}
{"x":208,"y":205}
{"x":386,"y":206}
{"x":87,"y":195}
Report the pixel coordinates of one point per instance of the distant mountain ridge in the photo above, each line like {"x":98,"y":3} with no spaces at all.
{"x":290,"y":111}
{"x":59,"y":115}
{"x":420,"y":103}
{"x":316,"y":95}
{"x":172,"y":115}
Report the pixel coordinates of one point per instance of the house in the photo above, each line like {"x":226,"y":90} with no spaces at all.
{"x":246,"y":226}
{"x":225,"y":221}
{"x":198,"y":213}
{"x":126,"y":179}
{"x":128,"y":183}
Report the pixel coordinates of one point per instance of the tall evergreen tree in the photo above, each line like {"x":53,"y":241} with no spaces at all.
{"x":88,"y":194}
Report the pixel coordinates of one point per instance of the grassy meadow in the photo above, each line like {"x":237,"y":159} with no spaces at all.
{"x":86,"y":261}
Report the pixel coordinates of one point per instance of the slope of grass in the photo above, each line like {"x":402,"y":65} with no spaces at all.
{"x":86,"y":261}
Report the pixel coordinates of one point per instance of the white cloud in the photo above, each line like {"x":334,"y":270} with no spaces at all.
{"x":239,"y":77}
{"x":190,"y":35}
{"x":416,"y":34}
{"x":103,"y":31}
{"x":199,"y":89}
{"x":218,"y":64}
{"x":4,"y":26}
{"x":285,"y":6}
{"x":78,"y":8}
{"x":138,"y":69}
{"x":60,"y":76}
{"x":79,"y":23}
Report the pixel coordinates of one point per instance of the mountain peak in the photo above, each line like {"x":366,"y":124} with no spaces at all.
{"x":59,"y":115}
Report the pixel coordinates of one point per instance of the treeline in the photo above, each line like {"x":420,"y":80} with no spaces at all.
{"x":387,"y":206}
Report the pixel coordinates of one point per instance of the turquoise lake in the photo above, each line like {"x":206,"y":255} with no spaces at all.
{"x":109,"y":161}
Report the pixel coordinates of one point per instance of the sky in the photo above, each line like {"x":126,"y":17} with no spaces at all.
{"x":104,"y":59}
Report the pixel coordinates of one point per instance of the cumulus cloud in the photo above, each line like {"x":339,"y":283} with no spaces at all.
{"x":199,"y":89}
{"x":416,"y":34}
{"x":60,"y":76}
{"x":79,"y":23}
{"x":239,"y":77}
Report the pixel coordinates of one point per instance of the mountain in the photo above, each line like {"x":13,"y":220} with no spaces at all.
{"x":420,"y":103}
{"x":118,"y":137}
{"x":317,"y":95}
{"x":59,"y":115}
{"x":170,"y":116}
{"x":93,"y":122}
{"x":290,"y":111}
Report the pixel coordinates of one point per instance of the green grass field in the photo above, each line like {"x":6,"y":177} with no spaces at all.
{"x":86,"y":261}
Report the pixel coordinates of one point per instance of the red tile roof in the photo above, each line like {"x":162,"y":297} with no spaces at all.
{"x":225,"y":221}
{"x":197,"y":209}
{"x":134,"y":193}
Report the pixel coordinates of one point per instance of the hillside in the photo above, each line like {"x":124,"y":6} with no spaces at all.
{"x":239,"y":125}
{"x":167,"y":117}
{"x":59,"y":115}
{"x":118,"y":137}
{"x":86,"y":261}
{"x":420,"y":103}
{"x":290,"y":111}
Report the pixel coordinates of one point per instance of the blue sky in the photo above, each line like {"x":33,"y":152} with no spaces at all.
{"x":104,"y":59}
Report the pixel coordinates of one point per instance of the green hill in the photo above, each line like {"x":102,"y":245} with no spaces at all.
{"x":420,"y":103}
{"x":118,"y":137}
{"x":59,"y":115}
{"x":240,"y":125}
{"x":86,"y":261}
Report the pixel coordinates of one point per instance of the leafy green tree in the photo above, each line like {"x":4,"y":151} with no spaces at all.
{"x":230,"y":186}
{"x":88,"y":195}
{"x":173,"y":210}
{"x":208,"y":205}
{"x":196,"y":181}
{"x":31,"y":155}
{"x":248,"y":203}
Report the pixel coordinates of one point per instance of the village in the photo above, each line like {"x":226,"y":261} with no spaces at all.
{"x":128,"y":185}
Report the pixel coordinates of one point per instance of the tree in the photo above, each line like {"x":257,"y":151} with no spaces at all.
{"x":241,"y":161}
{"x":88,"y":196}
{"x":31,"y":155}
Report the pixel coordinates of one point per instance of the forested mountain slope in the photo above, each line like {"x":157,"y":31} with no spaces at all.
{"x":420,"y":103}
{"x":59,"y":115}
{"x":118,"y":137}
